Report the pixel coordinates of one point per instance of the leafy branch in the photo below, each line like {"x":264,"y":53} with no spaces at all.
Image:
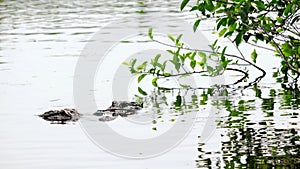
{"x":273,"y":22}
{"x":195,"y":59}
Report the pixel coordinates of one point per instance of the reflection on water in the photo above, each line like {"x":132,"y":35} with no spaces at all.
{"x":246,"y":147}
{"x":261,"y":132}
{"x":256,"y":127}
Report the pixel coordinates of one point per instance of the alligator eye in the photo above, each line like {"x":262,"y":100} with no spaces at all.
{"x":114,"y":114}
{"x":114,"y":104}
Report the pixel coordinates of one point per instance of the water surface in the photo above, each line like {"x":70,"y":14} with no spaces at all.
{"x":40,"y":42}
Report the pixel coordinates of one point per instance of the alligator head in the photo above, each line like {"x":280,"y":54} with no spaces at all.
{"x":61,"y":116}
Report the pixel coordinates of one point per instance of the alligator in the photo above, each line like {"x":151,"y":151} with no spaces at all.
{"x":117,"y":108}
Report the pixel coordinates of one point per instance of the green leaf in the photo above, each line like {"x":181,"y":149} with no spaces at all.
{"x":185,"y":86}
{"x":238,"y":39}
{"x":259,"y":36}
{"x":223,"y":54}
{"x":171,"y":37}
{"x":280,"y":30}
{"x":195,"y":8}
{"x":150,"y":33}
{"x":184,"y":76}
{"x":142,"y":66}
{"x":203,"y":61}
{"x":157,"y":57}
{"x":279,"y":19}
{"x":152,"y":71}
{"x":254,"y":56}
{"x":246,"y":37}
{"x":170,"y":51}
{"x":214,"y":45}
{"x":201,"y":7}
{"x":221,"y":33}
{"x":167,"y":74}
{"x":209,"y":69}
{"x":229,"y":33}
{"x":133,"y":61}
{"x":243,"y":15}
{"x":209,"y":5}
{"x":125,"y":63}
{"x":221,"y":22}
{"x":193,"y":55}
{"x":182,"y":58}
{"x":196,"y":24}
{"x":163,"y":66}
{"x":287,"y":49}
{"x":259,"y":5}
{"x":183,"y":4}
{"x":232,"y":27}
{"x":154,"y":62}
{"x":193,"y":64}
{"x":178,"y":39}
{"x":158,"y":72}
{"x":141,"y":77}
{"x":202,"y":54}
{"x":275,"y":74}
{"x":201,"y":64}
{"x":287,"y":9}
{"x":178,"y":101}
{"x":141,"y":91}
{"x":154,"y":82}
{"x":176,"y":62}
{"x":230,"y":21}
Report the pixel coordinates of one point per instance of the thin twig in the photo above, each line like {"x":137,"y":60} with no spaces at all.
{"x":236,"y":47}
{"x":262,"y":47}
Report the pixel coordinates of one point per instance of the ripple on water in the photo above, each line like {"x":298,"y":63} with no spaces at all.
{"x":261,"y":125}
